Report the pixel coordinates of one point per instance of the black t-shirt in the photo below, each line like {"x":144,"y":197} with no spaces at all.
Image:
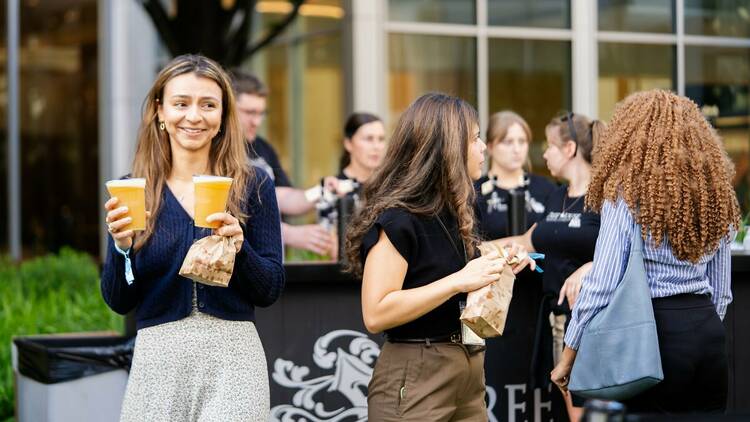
{"x":430,"y":255}
{"x":567,"y":236}
{"x":357,"y":184}
{"x":492,"y":208}
{"x":262,"y":155}
{"x":343,"y":176}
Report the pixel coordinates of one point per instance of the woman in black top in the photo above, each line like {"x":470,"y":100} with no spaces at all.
{"x":508,"y":137}
{"x":364,"y":147}
{"x":413,"y":242}
{"x":566,"y":234}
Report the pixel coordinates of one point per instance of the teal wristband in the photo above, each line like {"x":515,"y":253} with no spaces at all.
{"x":128,"y":265}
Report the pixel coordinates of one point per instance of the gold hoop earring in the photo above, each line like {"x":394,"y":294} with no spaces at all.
{"x":162,"y":126}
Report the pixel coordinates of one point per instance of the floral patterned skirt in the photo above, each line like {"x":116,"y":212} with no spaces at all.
{"x":200,"y":368}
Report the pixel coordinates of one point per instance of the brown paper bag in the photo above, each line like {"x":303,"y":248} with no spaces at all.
{"x":210,"y":261}
{"x":487,"y":308}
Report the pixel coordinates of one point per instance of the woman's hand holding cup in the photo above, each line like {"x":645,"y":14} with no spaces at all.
{"x":126,"y":210}
{"x":230,"y":227}
{"x":117,"y":218}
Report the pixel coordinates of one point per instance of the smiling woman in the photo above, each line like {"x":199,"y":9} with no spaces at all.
{"x":191,"y":112}
{"x":190,"y":126}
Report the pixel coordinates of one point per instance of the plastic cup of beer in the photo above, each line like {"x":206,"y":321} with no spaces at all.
{"x":211,"y":194}
{"x":132,"y":194}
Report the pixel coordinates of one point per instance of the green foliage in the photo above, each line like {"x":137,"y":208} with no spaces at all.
{"x":301,"y":255}
{"x":51,"y":294}
{"x":742,"y":232}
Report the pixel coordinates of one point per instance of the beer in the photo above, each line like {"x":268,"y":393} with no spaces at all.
{"x":131,"y":193}
{"x":211,"y":194}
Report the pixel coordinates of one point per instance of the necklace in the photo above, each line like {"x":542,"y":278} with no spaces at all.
{"x":178,"y":192}
{"x":564,"y":208}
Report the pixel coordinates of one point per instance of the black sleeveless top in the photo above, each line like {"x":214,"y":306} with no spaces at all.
{"x":430,"y":255}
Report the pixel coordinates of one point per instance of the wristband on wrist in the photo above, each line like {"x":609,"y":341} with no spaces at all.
{"x":128,"y":265}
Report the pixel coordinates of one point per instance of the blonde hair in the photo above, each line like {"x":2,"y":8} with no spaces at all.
{"x":153,"y":155}
{"x":498,"y":126}
{"x":666,"y":161}
{"x":424,"y":171}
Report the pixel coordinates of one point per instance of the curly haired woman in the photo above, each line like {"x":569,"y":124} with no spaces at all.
{"x":413,"y":242}
{"x":661,"y":167}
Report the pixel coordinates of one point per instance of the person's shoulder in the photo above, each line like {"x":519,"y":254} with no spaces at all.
{"x":618,"y":207}
{"x":262,"y":147}
{"x":542,"y":182}
{"x":401,"y":219}
{"x":559,"y":191}
{"x":259,"y":181}
{"x":396,"y":215}
{"x":342,"y":176}
{"x":481,"y":180}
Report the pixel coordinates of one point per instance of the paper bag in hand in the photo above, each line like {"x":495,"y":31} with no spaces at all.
{"x":210,"y":261}
{"x":487,"y":308}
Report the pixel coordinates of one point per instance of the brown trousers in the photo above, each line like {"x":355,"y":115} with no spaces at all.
{"x":417,"y":382}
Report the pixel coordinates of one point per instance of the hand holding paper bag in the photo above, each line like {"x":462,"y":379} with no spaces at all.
{"x":210,"y":261}
{"x":487,"y":308}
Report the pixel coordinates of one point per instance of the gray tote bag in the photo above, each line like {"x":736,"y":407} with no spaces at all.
{"x":618,"y":356}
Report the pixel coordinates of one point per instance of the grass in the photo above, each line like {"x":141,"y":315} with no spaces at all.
{"x":51,"y":294}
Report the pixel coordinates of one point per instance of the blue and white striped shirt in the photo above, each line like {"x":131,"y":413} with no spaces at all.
{"x":667,"y":275}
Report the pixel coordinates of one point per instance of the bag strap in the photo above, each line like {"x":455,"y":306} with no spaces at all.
{"x":635,"y":257}
{"x":453,"y":243}
{"x":636,"y":241}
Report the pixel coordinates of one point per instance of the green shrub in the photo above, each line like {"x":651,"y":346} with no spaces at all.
{"x":51,"y":294}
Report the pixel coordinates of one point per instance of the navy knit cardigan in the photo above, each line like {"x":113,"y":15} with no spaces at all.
{"x":159,"y":294}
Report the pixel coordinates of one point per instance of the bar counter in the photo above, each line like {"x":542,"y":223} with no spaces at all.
{"x":320,"y":357}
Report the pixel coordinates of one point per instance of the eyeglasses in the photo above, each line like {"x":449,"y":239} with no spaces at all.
{"x":255,"y":114}
{"x":571,"y":127}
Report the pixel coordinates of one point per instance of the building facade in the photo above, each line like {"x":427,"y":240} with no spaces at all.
{"x":75,"y":73}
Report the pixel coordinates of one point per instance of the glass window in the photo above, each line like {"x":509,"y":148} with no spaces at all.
{"x":627,"y":68}
{"x":327,"y":14}
{"x":422,"y":63}
{"x":534,"y":13}
{"x":304,"y":73}
{"x":59,"y":126}
{"x":532,"y":78}
{"x":3,"y":132}
{"x":718,"y":79}
{"x":637,"y":15}
{"x":303,"y":70}
{"x":442,"y":11}
{"x":726,"y":18}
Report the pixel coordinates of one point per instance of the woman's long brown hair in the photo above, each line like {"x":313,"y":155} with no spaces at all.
{"x":666,"y":161}
{"x":227,"y":155}
{"x":424,"y":171}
